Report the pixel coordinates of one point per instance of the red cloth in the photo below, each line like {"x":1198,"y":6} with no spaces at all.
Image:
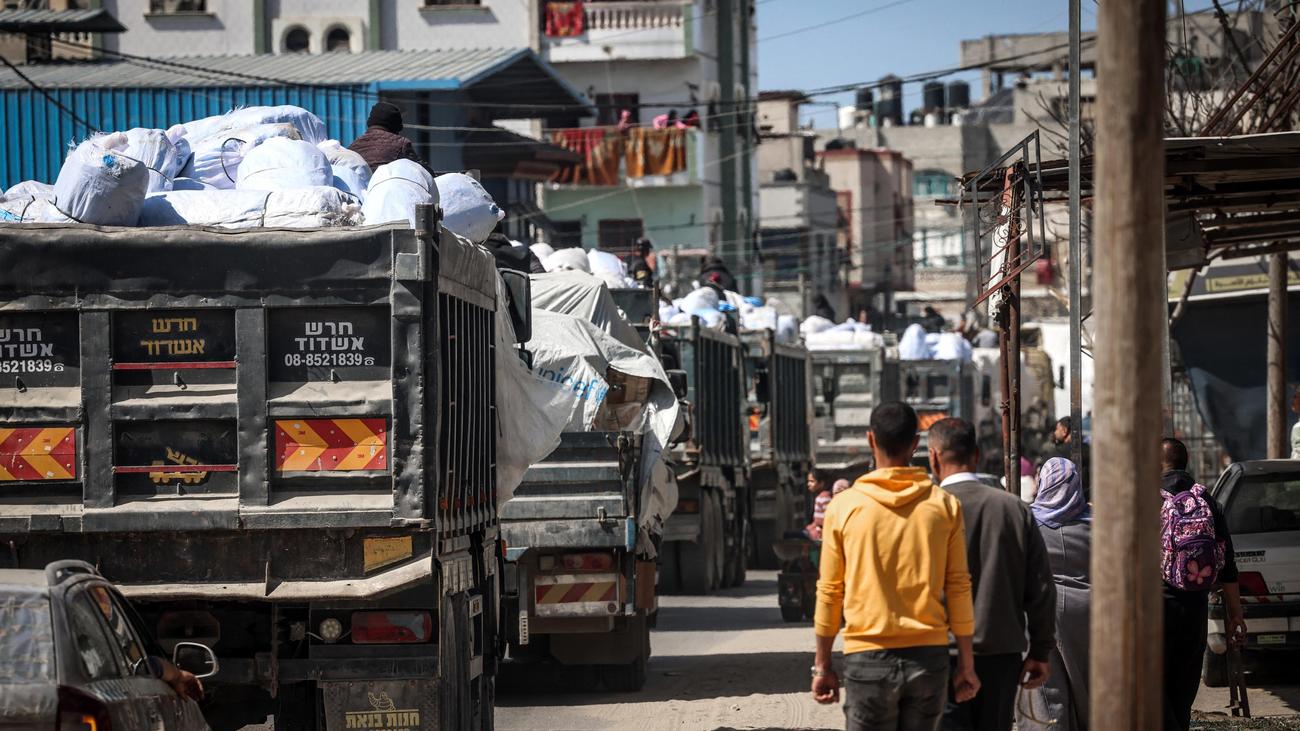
{"x":565,"y":20}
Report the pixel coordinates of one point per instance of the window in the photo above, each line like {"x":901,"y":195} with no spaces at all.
{"x":297,"y":40}
{"x":566,"y":234}
{"x":168,"y":7}
{"x":1264,"y":504}
{"x":338,"y":40}
{"x":931,"y":183}
{"x":609,"y":107}
{"x":436,"y":3}
{"x":26,"y":640}
{"x":619,"y":235}
{"x":91,"y":639}
{"x":119,"y":625}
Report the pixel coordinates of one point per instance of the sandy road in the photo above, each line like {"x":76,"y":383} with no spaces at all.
{"x":725,"y":661}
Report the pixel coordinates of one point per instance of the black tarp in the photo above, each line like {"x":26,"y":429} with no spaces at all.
{"x":1224,"y":347}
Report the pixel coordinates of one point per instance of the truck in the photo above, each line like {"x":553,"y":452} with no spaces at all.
{"x":278,"y":443}
{"x":705,"y":540}
{"x":937,"y":389}
{"x":575,"y":594}
{"x":847,"y":384}
{"x":780,"y":430}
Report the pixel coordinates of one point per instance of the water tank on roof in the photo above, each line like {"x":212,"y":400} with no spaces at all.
{"x":864,"y":99}
{"x":932,"y":96}
{"x":958,"y":95}
{"x":890,"y":104}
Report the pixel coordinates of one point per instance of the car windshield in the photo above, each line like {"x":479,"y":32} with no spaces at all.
{"x":26,"y":637}
{"x":1264,"y":504}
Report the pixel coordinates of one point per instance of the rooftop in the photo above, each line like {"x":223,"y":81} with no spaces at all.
{"x":59,"y":21}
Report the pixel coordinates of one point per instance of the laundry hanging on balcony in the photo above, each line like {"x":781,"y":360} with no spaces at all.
{"x":602,"y":156}
{"x":565,"y":20}
{"x":655,"y":151}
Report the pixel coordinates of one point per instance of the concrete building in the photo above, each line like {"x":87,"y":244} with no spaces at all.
{"x":800,"y":226}
{"x":692,"y":188}
{"x":874,"y":190}
{"x":36,"y":31}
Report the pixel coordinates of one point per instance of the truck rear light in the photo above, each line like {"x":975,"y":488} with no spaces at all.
{"x":588,"y":561}
{"x":81,"y":712}
{"x":391,"y":628}
{"x":1251,"y":583}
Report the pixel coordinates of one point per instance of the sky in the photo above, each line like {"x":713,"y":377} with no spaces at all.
{"x":890,"y":36}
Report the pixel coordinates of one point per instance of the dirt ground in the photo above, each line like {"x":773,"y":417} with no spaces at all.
{"x":728,"y":661}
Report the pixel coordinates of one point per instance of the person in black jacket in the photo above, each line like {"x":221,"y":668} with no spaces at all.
{"x":638,"y":264}
{"x":1187,"y":612}
{"x":716,"y":274}
{"x":382,"y":141}
{"x":822,"y":307}
{"x":1011,"y":579}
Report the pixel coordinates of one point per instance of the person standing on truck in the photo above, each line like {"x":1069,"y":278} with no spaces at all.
{"x":639,"y":267}
{"x":893,"y":555}
{"x":382,"y":142}
{"x":1190,"y":567}
{"x":716,"y":274}
{"x":1015,"y":599}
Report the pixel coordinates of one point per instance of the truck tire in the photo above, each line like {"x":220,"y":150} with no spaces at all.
{"x":764,"y":535}
{"x":791,"y":614}
{"x":631,"y":677}
{"x":1214,"y":671}
{"x":670,"y":580}
{"x":697,"y":561}
{"x":720,"y":551}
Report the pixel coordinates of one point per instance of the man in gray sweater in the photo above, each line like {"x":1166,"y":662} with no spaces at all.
{"x":1015,"y":598}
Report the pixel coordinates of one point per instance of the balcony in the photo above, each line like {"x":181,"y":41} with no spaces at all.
{"x":617,"y":30}
{"x":640,"y":157}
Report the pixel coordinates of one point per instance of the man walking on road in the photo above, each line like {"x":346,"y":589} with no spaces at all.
{"x":893,"y":552}
{"x":1012,"y":581}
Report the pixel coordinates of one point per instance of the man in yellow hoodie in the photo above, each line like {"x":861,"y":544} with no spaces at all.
{"x":893,"y":555}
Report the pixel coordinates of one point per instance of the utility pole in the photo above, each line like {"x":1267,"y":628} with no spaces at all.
{"x":1076,"y":245}
{"x":1277,"y":285}
{"x":1127,"y":612}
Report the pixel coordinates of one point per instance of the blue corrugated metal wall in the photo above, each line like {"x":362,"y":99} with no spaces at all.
{"x":37,"y":133}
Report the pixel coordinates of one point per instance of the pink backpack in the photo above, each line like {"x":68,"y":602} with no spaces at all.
{"x":1193,"y":554}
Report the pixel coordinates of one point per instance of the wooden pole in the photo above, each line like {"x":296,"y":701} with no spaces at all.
{"x":1277,"y":282}
{"x":1127,"y":612}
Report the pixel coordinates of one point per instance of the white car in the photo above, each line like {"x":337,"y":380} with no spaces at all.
{"x":1261,"y":501}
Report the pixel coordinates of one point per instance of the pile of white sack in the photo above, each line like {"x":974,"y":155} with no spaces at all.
{"x":917,"y":344}
{"x":252,"y":167}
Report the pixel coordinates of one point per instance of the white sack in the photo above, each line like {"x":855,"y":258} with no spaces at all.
{"x":163,"y":152}
{"x":395,"y":190}
{"x":190,"y":184}
{"x":98,"y":184}
{"x":787,"y":329}
{"x":609,"y":268}
{"x":815,"y":324}
{"x":758,"y":318}
{"x":308,"y":125}
{"x":351,"y":171}
{"x":283,"y":164}
{"x":215,"y":160}
{"x":704,"y":298}
{"x":23,"y":209}
{"x":29,"y":189}
{"x":319,"y":207}
{"x":952,"y":346}
{"x":848,"y":335}
{"x":467,"y":208}
{"x":572,"y":259}
{"x":913,"y":345}
{"x":542,"y":251}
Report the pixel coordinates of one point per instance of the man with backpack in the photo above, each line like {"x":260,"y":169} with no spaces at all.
{"x":1197,"y":555}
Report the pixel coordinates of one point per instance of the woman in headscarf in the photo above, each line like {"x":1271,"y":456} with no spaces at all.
{"x":1065,"y":521}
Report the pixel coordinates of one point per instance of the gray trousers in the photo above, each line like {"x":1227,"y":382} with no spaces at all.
{"x":896,"y":690}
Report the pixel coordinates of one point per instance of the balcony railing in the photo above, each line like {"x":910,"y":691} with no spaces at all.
{"x":636,"y":157}
{"x":631,"y":29}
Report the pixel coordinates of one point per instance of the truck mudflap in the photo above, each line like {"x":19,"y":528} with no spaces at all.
{"x":578,"y":595}
{"x":382,"y":705}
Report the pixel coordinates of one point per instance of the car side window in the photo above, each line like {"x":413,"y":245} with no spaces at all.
{"x":90,"y":637}
{"x":120,"y":630}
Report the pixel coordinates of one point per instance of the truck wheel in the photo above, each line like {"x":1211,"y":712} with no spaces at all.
{"x":1215,"y":670}
{"x":764,"y":536}
{"x":719,"y":541}
{"x":696,"y":561}
{"x":295,"y":707}
{"x":669,"y":569}
{"x":791,"y":614}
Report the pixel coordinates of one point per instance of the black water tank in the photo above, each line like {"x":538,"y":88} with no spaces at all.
{"x":932,"y":96}
{"x":958,"y":95}
{"x":864,"y":100}
{"x":890,"y":104}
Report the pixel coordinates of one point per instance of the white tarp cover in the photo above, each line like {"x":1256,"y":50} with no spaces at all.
{"x":215,"y":159}
{"x":163,"y":152}
{"x":396,"y":189}
{"x":351,"y":171}
{"x":579,"y":337}
{"x":848,"y":335}
{"x":318,"y":207}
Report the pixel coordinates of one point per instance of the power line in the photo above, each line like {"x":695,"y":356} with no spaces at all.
{"x":834,"y":21}
{"x":46,"y":94}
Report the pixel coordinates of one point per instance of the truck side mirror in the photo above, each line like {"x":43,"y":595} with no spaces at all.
{"x":519,"y":300}
{"x":195,"y":658}
{"x":678,"y":380}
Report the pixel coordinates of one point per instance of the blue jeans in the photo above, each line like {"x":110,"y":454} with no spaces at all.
{"x":896,"y":690}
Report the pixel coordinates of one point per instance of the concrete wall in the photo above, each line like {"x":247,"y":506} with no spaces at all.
{"x":410,"y":26}
{"x":227,"y":28}
{"x":671,"y":215}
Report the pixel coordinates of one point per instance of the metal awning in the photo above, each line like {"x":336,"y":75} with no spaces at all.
{"x":1225,"y":197}
{"x":511,"y":82}
{"x":59,"y":21}
{"x":502,"y":153}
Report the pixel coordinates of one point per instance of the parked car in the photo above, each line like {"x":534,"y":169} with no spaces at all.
{"x":1261,"y":501}
{"x":73,"y":656}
